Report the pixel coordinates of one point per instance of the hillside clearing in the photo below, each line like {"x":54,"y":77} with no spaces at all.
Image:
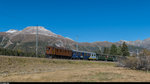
{"x":27,"y":69}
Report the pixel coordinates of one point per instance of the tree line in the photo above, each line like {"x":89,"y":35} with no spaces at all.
{"x":121,"y":50}
{"x":18,"y":52}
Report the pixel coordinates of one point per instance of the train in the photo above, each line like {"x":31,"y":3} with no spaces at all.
{"x":58,"y":52}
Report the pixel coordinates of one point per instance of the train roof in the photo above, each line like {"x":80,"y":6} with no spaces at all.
{"x":70,"y":49}
{"x":83,"y":51}
{"x":59,"y":47}
{"x":108,"y":55}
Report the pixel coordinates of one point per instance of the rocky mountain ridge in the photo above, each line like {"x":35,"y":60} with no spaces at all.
{"x":25,"y":40}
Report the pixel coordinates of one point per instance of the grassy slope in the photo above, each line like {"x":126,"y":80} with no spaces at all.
{"x":22,"y":69}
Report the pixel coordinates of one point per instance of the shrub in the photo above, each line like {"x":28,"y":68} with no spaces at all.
{"x":139,"y":63}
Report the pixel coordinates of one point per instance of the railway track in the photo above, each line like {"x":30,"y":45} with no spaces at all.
{"x":79,"y":60}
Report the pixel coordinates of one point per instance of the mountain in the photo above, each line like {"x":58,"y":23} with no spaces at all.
{"x":139,"y":43}
{"x":41,"y":31}
{"x":25,"y":40}
{"x":12,"y":31}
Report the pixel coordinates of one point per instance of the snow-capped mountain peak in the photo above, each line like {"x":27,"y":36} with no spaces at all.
{"x":11,"y":31}
{"x":41,"y":31}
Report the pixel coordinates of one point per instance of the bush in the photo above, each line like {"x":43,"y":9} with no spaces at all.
{"x":139,"y":63}
{"x":144,"y":62}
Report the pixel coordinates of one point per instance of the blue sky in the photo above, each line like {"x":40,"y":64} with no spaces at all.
{"x":90,"y":20}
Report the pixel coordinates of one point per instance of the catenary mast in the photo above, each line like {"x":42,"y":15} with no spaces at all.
{"x":37,"y":41}
{"x":77,"y":43}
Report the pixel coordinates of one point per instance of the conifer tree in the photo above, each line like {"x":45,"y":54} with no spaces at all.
{"x":119,"y":52}
{"x":124,"y":49}
{"x":113,"y":50}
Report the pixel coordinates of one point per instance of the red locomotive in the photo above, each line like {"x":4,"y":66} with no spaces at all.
{"x":55,"y":52}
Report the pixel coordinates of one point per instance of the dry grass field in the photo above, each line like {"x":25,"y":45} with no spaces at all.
{"x":23,"y":69}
